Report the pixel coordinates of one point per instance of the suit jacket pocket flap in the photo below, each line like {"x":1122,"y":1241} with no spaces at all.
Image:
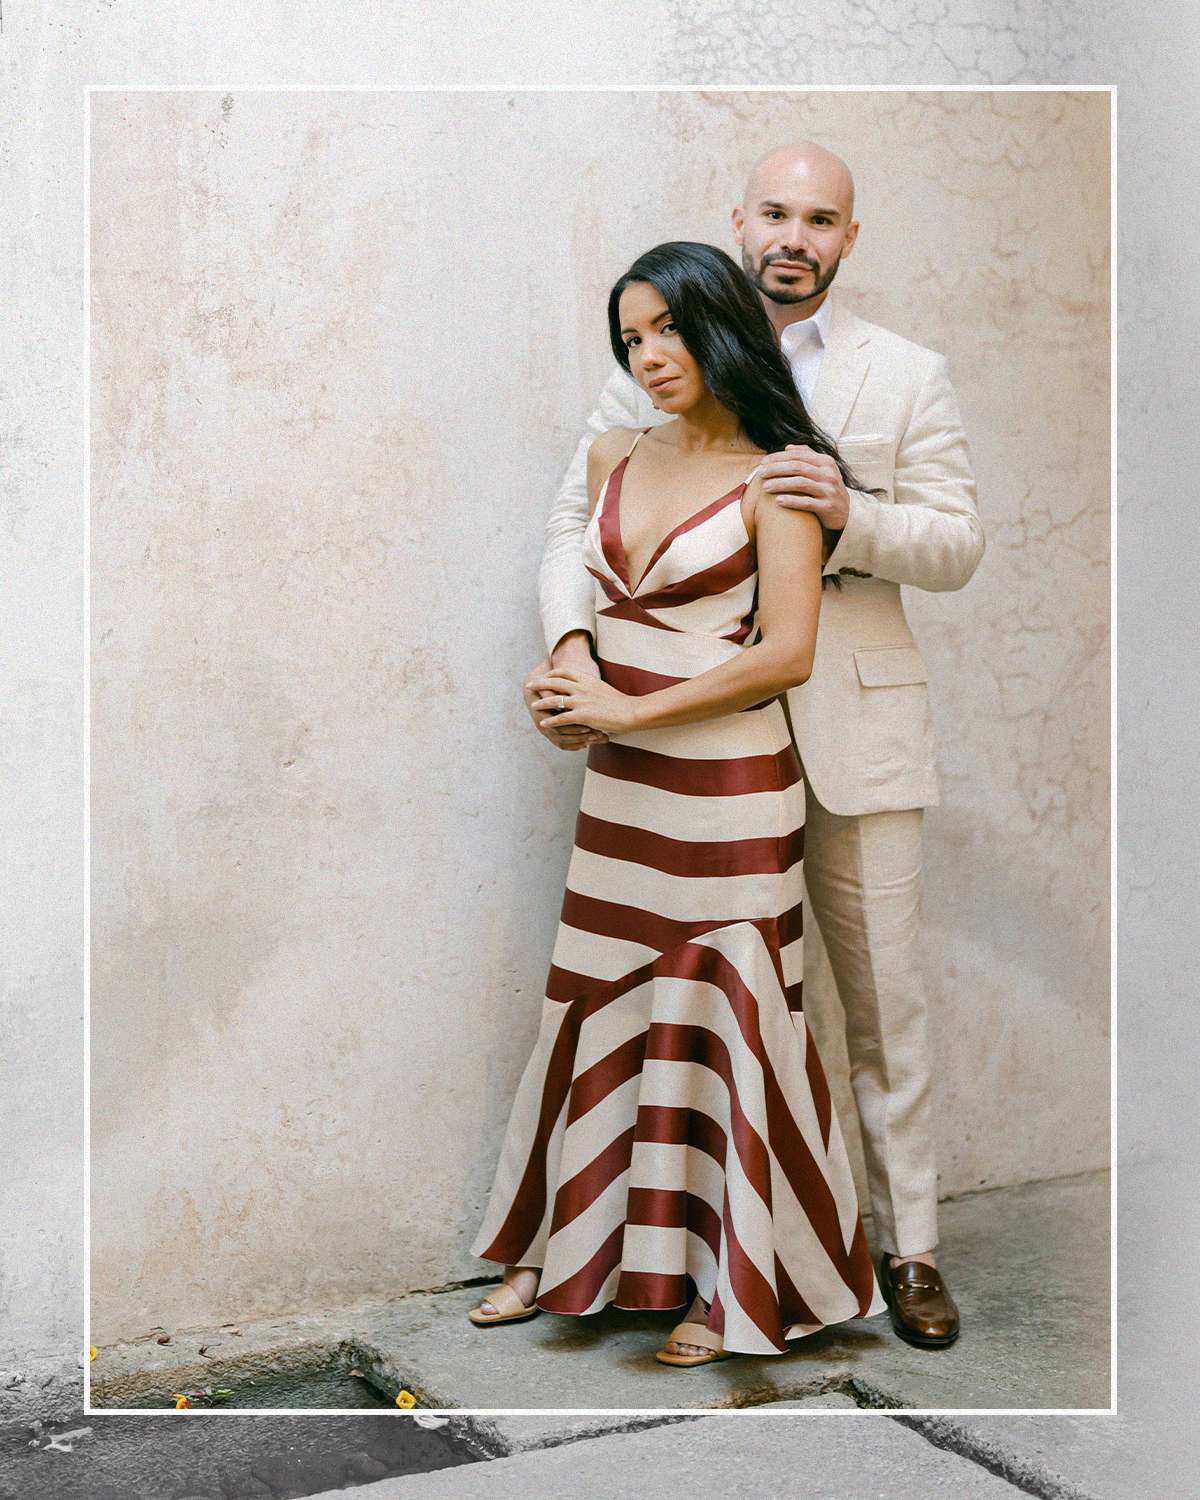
{"x":867,"y":450}
{"x":890,"y":666}
{"x":871,"y":462}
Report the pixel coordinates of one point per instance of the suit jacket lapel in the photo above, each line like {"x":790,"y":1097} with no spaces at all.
{"x":843,"y":368}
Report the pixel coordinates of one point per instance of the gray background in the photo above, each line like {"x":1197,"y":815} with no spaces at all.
{"x":46,"y":61}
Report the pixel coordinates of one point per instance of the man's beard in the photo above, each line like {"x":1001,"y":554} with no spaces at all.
{"x":785,"y":296}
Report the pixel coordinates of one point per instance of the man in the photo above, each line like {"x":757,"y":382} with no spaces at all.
{"x":861,"y":722}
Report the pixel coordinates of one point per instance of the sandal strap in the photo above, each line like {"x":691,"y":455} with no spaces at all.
{"x":698,"y":1334}
{"x":506,"y":1302}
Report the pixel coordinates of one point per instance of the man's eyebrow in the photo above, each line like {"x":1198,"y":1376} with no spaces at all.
{"x":830,"y":213}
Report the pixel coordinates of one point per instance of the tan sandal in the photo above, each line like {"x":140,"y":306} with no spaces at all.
{"x":508,"y":1305}
{"x":693,"y":1333}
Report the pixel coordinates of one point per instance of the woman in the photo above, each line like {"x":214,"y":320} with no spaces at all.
{"x":673,"y":1131}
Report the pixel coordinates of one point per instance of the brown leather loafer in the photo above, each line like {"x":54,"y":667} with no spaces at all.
{"x":923,"y":1311}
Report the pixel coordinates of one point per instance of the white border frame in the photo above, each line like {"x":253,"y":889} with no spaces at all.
{"x":585,"y":89}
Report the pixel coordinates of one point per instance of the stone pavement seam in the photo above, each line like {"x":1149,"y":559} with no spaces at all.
{"x":489,"y":1440}
{"x":1021,"y":1473}
{"x":948,"y":1436}
{"x":828,"y":1460}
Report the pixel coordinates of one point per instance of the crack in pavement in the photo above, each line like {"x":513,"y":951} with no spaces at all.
{"x":1020,"y":1473}
{"x":501,"y":1447}
{"x":949,"y":1436}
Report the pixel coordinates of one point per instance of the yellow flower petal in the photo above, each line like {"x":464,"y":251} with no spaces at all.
{"x":406,"y":1399}
{"x":91,"y":1351}
{"x":181,"y":1401}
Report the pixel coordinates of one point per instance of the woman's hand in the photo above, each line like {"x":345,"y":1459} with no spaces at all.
{"x":571,"y":736}
{"x":573,"y":698}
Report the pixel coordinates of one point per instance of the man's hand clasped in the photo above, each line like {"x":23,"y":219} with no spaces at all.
{"x":567,"y":700}
{"x":542,"y":703}
{"x":800,"y":478}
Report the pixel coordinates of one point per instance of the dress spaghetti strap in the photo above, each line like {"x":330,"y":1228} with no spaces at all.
{"x":608,"y":478}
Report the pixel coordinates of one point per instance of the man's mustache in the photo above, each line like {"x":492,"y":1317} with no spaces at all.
{"x":798,"y":260}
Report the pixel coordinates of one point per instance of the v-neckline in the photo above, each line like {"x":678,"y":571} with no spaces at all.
{"x":610,"y":527}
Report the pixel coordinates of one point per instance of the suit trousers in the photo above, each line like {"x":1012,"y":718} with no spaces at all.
{"x":863,"y":876}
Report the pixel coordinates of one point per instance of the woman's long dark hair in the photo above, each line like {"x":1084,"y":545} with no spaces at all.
{"x":722,"y":322}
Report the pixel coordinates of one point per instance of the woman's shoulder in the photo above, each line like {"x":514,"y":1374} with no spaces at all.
{"x":760,"y":505}
{"x":606,"y":452}
{"x":614,"y":443}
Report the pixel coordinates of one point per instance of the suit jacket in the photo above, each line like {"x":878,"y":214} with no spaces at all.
{"x":862,"y":720}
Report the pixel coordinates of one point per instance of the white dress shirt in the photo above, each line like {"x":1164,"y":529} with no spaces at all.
{"x":803,"y":344}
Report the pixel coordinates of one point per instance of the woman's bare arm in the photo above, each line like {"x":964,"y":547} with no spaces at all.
{"x":789,"y":576}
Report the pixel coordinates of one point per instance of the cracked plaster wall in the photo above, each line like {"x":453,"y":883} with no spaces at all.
{"x":342,"y":346}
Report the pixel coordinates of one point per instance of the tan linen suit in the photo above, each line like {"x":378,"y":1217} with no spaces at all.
{"x":862,"y":721}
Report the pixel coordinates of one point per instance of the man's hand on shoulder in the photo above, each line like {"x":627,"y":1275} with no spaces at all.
{"x":800,"y":478}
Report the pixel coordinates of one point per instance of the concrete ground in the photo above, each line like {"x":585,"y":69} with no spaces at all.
{"x":828,"y":1460}
{"x":1028,"y":1266}
{"x":862,"y":1456}
{"x":1151,"y":1449}
{"x":1027,"y":1261}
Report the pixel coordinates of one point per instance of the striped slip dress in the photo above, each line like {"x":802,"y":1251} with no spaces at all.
{"x":673,"y":1130}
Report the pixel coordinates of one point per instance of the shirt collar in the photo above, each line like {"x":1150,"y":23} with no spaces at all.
{"x":802,"y":332}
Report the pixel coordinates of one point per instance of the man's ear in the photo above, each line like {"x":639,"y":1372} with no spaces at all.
{"x":738,"y":219}
{"x":851,"y":236}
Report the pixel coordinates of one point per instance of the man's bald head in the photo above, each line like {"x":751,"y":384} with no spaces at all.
{"x":795,"y":226}
{"x":802,"y":164}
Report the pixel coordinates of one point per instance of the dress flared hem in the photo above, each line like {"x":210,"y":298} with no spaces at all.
{"x":790,"y":1334}
{"x":684,"y":1096}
